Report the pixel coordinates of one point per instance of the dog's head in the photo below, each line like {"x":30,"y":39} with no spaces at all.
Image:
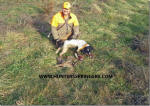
{"x":87,"y":50}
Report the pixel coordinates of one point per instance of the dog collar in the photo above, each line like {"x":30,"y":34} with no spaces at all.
{"x":85,"y":45}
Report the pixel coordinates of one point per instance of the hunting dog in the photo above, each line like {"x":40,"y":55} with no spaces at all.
{"x":81,"y":45}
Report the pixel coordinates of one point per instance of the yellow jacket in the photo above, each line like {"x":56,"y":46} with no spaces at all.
{"x":61,"y":28}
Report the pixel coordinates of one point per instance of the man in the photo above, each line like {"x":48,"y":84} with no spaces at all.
{"x":64,"y":24}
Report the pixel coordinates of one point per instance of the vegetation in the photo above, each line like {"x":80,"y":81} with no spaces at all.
{"x":118,"y":31}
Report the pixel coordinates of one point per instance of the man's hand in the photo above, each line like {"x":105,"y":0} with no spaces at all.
{"x":63,"y":39}
{"x":66,"y":37}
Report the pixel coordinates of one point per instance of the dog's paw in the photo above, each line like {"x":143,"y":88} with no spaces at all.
{"x":56,"y":52}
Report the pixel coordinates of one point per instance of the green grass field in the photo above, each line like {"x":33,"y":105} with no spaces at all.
{"x":118,"y":31}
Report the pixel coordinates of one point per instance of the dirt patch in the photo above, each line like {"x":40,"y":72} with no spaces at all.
{"x":138,"y":78}
{"x":40,"y":23}
{"x":135,"y":99}
{"x":140,"y":43}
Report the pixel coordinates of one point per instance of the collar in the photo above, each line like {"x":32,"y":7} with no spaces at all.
{"x":85,"y":45}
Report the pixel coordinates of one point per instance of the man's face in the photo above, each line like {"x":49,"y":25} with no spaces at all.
{"x":66,"y":11}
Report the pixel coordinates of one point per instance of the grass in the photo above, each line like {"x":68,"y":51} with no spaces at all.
{"x":109,"y":26}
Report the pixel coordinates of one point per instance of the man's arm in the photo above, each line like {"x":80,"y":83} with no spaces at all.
{"x":76,"y":32}
{"x":54,"y":32}
{"x":54,"y":24}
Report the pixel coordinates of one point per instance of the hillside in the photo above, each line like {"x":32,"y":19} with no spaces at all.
{"x":117,"y":29}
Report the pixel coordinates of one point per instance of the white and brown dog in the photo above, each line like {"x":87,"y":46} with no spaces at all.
{"x":80,"y":44}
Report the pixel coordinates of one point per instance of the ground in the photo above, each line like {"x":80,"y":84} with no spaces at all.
{"x":118,"y":31}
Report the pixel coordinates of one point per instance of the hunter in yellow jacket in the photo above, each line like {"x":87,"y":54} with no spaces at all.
{"x":64,"y":24}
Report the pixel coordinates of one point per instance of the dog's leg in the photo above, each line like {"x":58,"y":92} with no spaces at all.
{"x":65,"y":49}
{"x":58,"y":50}
{"x":78,"y":50}
{"x":76,"y":54}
